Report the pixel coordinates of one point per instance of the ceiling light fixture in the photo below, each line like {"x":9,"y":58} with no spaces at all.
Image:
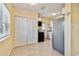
{"x":33,"y":4}
{"x":54,"y":14}
{"x":40,"y":19}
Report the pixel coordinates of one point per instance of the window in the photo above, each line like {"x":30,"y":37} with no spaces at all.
{"x":4,"y":21}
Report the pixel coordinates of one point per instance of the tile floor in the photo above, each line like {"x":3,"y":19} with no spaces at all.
{"x":40,"y":49}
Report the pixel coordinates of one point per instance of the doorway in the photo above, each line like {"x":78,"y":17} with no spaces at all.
{"x":58,"y":34}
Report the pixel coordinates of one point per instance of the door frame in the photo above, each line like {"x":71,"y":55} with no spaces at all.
{"x":67,"y":34}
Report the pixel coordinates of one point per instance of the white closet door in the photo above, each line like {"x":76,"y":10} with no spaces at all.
{"x":17,"y":30}
{"x":29,"y":30}
{"x":23,"y":30}
{"x":20,"y":30}
{"x":26,"y":31}
{"x":34,"y":30}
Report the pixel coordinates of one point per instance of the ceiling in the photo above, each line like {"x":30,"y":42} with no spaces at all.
{"x":44,"y":9}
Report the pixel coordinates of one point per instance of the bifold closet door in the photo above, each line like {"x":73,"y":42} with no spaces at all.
{"x":32,"y":30}
{"x":26,"y":31}
{"x":29,"y":30}
{"x":20,"y":31}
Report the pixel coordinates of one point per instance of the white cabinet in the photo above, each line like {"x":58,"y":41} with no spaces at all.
{"x":26,"y":31}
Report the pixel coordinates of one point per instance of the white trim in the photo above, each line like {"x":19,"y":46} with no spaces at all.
{"x":68,"y":31}
{"x":68,"y":35}
{"x":5,"y":37}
